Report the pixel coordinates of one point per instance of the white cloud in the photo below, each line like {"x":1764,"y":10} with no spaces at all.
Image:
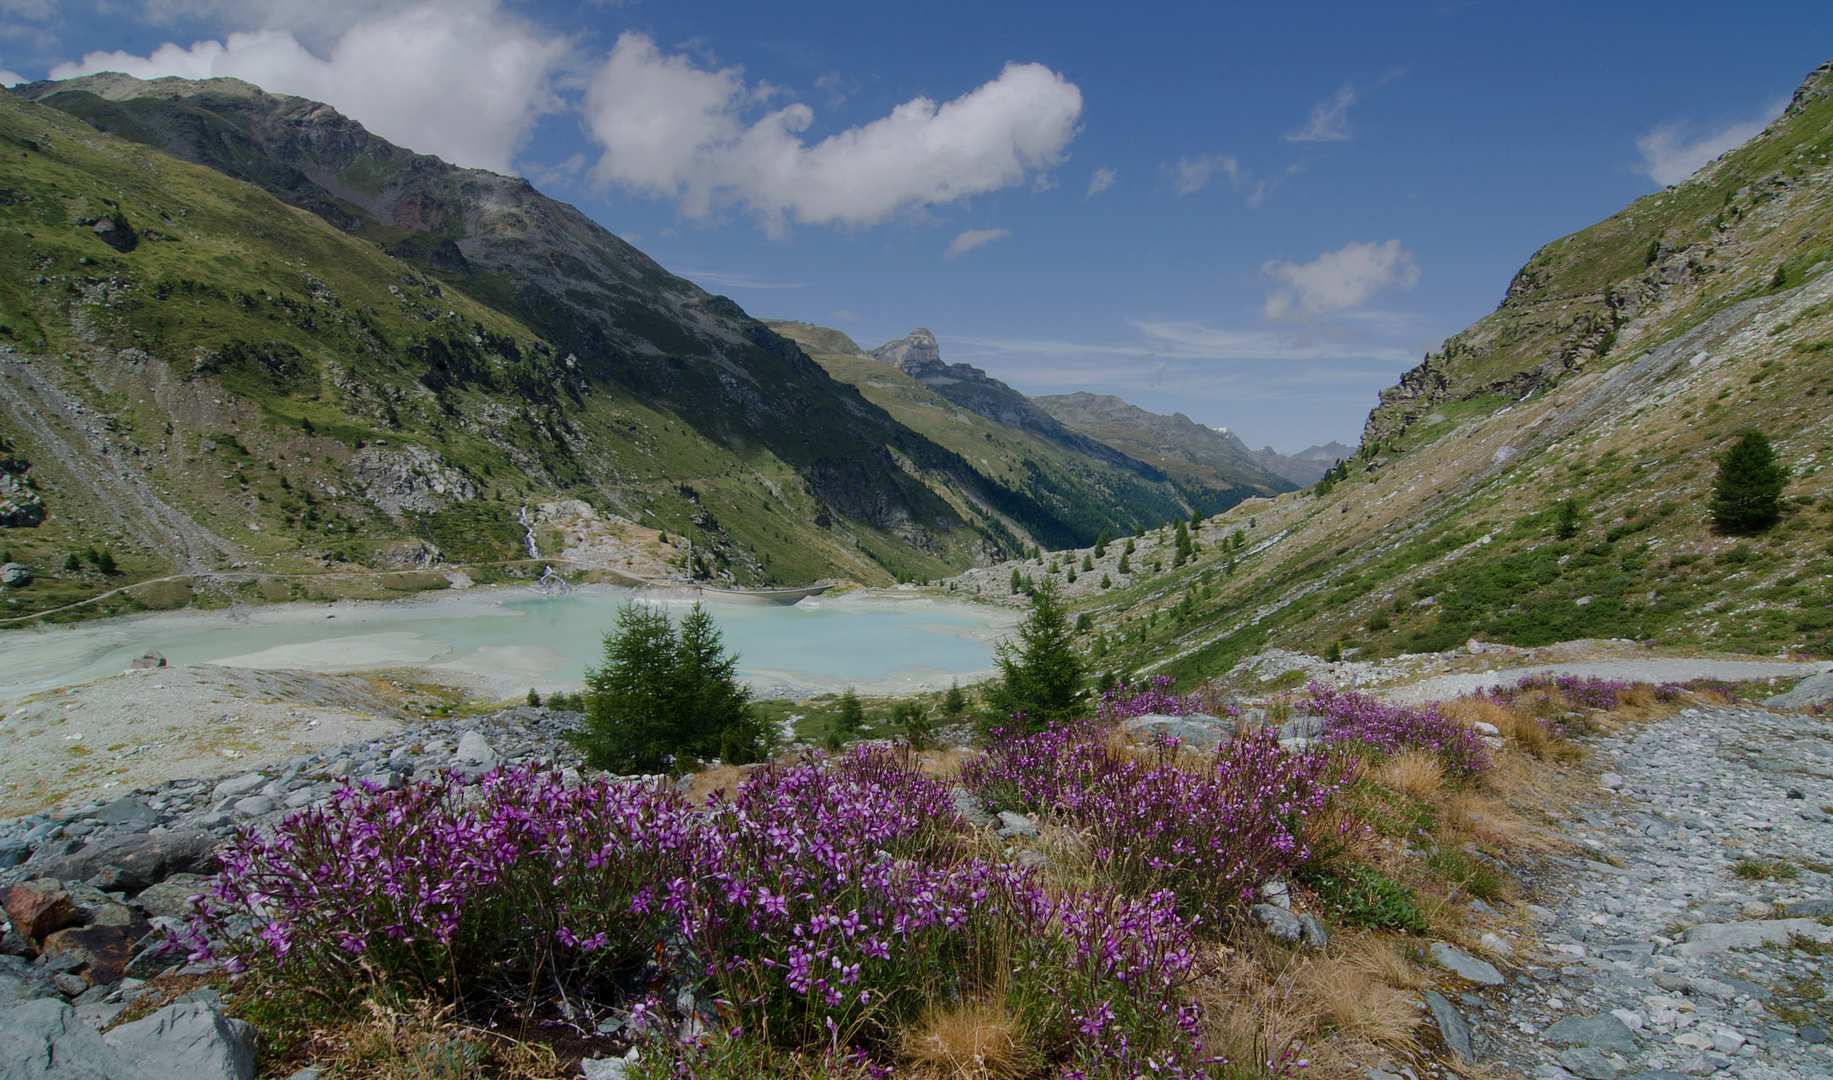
{"x":10,"y":78}
{"x":1102,"y":179}
{"x":458,"y":79}
{"x":1329,"y":118}
{"x":1668,"y":157}
{"x":972,"y":239}
{"x":1191,"y":174}
{"x":1337,"y":280}
{"x":843,"y":315}
{"x":674,"y":129}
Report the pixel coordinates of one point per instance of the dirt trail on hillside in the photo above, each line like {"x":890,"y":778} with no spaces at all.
{"x":1629,"y":669}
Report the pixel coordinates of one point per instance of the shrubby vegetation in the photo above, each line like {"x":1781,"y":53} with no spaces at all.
{"x":837,"y":917}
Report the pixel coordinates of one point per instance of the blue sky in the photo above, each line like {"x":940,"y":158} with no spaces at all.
{"x":1255,"y":214}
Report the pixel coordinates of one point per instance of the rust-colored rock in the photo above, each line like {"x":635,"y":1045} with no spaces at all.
{"x":39,"y":907}
{"x":103,"y":950}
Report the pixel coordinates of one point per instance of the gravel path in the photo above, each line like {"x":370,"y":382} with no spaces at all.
{"x":1663,"y":962}
{"x":1629,"y":669}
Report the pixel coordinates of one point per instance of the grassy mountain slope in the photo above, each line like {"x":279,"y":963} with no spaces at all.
{"x":1177,"y":445}
{"x":205,"y":379}
{"x":1043,"y":487}
{"x":1623,"y":359}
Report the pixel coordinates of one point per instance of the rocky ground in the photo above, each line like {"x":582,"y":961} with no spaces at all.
{"x":150,"y":726}
{"x":1688,"y":931}
{"x":1655,"y":957}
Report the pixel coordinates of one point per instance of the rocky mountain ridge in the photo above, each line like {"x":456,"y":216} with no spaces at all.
{"x":1176,"y":444}
{"x":919,"y":356}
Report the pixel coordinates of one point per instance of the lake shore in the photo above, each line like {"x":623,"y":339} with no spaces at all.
{"x":80,"y":718}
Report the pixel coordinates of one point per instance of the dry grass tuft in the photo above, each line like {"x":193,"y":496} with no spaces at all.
{"x":720,"y":779}
{"x":1355,"y":1000}
{"x":1261,"y":1003}
{"x":970,"y":1040}
{"x":1528,"y":732}
{"x":1492,"y":823}
{"x":420,"y":1041}
{"x":943,"y":764}
{"x":1416,"y":773}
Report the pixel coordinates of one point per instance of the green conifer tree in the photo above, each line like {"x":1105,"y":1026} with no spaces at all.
{"x":713,"y":717}
{"x":630,"y":721}
{"x":852,"y":714}
{"x":1747,"y":493}
{"x":1042,"y":672}
{"x":1567,"y":522}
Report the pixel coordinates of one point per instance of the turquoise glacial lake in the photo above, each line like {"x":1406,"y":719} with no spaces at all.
{"x":509,"y":639}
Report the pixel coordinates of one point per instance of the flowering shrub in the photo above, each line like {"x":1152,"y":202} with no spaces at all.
{"x":1207,"y":835}
{"x":433,"y":883}
{"x":1356,"y":720}
{"x":1154,"y":698}
{"x":1578,"y":693}
{"x":823,"y":905}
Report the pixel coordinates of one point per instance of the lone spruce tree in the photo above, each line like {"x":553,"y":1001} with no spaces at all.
{"x":1747,"y":493}
{"x":630,"y":721}
{"x":1042,"y":671}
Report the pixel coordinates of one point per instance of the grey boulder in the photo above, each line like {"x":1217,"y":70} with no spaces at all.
{"x":237,"y":786}
{"x":1708,"y":938}
{"x":1451,"y":1025}
{"x":474,"y":751}
{"x":44,"y":1040}
{"x":1280,"y":924}
{"x":1202,"y":732}
{"x":1813,"y":690}
{"x":1465,"y":966}
{"x":190,"y":1040}
{"x":1016,"y":824}
{"x":138,"y":860}
{"x":21,"y":982}
{"x":1601,"y":1032}
{"x":1583,"y":1061}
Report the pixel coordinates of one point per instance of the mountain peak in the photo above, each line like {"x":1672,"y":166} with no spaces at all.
{"x":914,"y":350}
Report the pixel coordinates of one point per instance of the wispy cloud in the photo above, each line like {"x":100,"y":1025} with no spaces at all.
{"x":1195,"y":340}
{"x":1102,"y":179}
{"x":1337,"y":280}
{"x":736,"y":281}
{"x":1329,"y":118}
{"x":843,"y":316}
{"x":972,"y":239}
{"x":1669,"y":155}
{"x":1191,"y":174}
